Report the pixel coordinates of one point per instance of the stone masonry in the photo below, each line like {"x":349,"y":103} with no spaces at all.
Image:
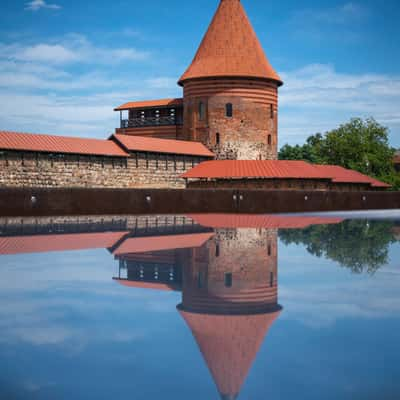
{"x":141,"y":170}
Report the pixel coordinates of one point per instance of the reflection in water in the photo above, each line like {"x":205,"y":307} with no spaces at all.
{"x":360,"y":245}
{"x":225,"y":266}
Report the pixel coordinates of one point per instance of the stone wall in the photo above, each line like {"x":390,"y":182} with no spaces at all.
{"x":279,"y":184}
{"x":141,"y":170}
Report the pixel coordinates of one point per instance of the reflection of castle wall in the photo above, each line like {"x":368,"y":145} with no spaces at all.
{"x":236,"y":271}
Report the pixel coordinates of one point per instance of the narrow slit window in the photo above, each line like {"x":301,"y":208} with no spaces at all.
{"x":272,"y":111}
{"x":202,"y":111}
{"x":228,"y":280}
{"x":217,"y":250}
{"x":269,"y":249}
{"x":217,"y":138}
{"x":271,"y":279}
{"x":269,"y":140}
{"x":229,"y":110}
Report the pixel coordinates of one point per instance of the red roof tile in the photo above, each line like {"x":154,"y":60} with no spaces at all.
{"x":226,"y":169}
{"x":59,"y":144}
{"x":159,"y":243}
{"x":260,"y":221}
{"x":167,"y":146}
{"x":64,"y":242}
{"x":274,"y":169}
{"x":151,"y":104}
{"x":343,"y":175}
{"x":229,"y":345}
{"x":230,"y":48}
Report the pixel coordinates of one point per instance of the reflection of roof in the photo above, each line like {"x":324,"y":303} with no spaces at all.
{"x":63,"y":242}
{"x":59,"y":144}
{"x":158,"y":243}
{"x":150,"y":104}
{"x":140,"y":143}
{"x":229,"y":345}
{"x":148,"y":285}
{"x":276,"y":169}
{"x":260,"y":221}
{"x":230,"y":48}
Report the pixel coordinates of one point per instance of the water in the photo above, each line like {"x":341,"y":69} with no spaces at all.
{"x":200,"y":307}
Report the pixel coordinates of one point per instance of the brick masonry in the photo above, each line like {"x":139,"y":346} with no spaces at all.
{"x":278,"y":184}
{"x":252,"y":131}
{"x":141,"y":170}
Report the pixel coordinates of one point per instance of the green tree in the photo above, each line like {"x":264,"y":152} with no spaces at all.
{"x":362,"y":145}
{"x":360,"y":245}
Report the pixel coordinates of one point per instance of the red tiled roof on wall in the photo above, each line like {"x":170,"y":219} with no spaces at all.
{"x":274,"y":169}
{"x":230,"y":48}
{"x":140,"y":143}
{"x":17,"y":141}
{"x":151,"y":104}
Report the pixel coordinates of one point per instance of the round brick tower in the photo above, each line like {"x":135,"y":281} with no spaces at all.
{"x":231,"y":90}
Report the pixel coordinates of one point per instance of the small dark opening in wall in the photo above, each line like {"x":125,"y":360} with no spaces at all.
{"x":202,"y":111}
{"x":271,"y":279}
{"x":229,"y":110}
{"x":269,"y":249}
{"x":272,"y":111}
{"x":200,"y":280}
{"x":228,"y":280}
{"x":269,"y":140}
{"x":217,"y":250}
{"x":217,"y":138}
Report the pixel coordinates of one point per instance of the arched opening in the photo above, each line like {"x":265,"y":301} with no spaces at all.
{"x":229,"y":110}
{"x":202,"y":111}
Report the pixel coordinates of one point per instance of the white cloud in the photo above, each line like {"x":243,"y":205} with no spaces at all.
{"x":36,"y":5}
{"x":342,"y":14}
{"x":317,"y":98}
{"x":71,"y":49}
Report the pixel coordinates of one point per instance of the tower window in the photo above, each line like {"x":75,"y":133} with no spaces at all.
{"x":202,"y":111}
{"x":269,"y":140}
{"x":217,"y":250}
{"x":217,"y":138}
{"x":229,"y":110}
{"x":271,"y":279}
{"x":228,"y":280}
{"x":272,"y":111}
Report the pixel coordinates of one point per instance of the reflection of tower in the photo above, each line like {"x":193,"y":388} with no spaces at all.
{"x":230,"y":300}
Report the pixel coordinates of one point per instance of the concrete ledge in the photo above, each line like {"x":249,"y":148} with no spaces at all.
{"x":48,"y":202}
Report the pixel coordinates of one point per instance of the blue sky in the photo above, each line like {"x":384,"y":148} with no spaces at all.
{"x":64,"y":65}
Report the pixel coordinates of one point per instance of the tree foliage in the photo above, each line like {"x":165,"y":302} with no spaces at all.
{"x":362,"y":145}
{"x":360,"y":245}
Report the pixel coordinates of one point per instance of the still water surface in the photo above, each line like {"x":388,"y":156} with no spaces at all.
{"x":200,"y":307}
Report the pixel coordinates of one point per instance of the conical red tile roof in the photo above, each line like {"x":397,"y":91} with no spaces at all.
{"x":230,"y":48}
{"x":229,"y":344}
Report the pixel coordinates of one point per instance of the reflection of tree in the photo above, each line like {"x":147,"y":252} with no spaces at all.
{"x":362,"y":246}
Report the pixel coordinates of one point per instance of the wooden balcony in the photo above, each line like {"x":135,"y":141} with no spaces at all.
{"x":141,"y":122}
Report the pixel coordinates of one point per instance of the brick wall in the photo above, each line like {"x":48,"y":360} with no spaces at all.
{"x":248,"y":255}
{"x":252,"y":131}
{"x":278,"y":184}
{"x":138,"y":171}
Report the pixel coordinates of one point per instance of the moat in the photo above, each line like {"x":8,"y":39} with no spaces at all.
{"x":200,"y":306}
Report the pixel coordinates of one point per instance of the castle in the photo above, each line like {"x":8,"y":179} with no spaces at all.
{"x":223,"y":133}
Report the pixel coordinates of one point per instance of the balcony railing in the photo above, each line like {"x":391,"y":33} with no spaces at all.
{"x":150,"y":121}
